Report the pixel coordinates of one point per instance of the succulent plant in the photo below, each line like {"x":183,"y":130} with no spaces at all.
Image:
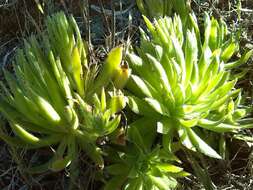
{"x":186,"y":83}
{"x":139,"y":164}
{"x":56,"y":96}
{"x":161,"y":8}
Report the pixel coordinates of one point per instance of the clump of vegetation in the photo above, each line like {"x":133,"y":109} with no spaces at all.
{"x":162,"y":8}
{"x":56,"y":97}
{"x":185,"y":84}
{"x":146,"y":164}
{"x":146,"y":116}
